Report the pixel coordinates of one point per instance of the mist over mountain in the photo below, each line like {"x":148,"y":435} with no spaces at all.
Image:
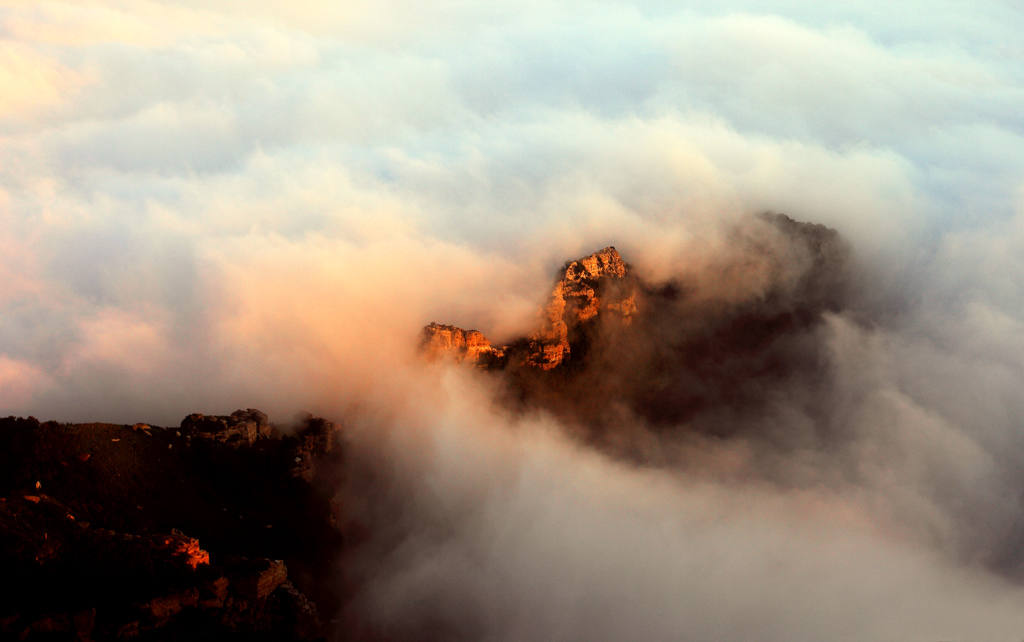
{"x":733,"y":405}
{"x":700,"y":455}
{"x":662,"y":415}
{"x":674,"y":353}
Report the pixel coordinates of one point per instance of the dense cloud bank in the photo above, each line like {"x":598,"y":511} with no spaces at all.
{"x":745,"y":458}
{"x":212,"y":206}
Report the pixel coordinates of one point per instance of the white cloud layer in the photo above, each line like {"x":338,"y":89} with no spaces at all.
{"x":207,"y":206}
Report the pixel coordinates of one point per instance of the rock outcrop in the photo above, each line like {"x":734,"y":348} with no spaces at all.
{"x":315,"y":441}
{"x":590,"y":287}
{"x":242,"y":427}
{"x":456,"y":344}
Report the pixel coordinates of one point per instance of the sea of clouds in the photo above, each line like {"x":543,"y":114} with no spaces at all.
{"x":207,"y":206}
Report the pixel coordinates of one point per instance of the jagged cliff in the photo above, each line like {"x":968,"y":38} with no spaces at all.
{"x":589,"y":287}
{"x":451,"y":342}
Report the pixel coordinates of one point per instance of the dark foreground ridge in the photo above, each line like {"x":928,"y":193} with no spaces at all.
{"x":219,"y":529}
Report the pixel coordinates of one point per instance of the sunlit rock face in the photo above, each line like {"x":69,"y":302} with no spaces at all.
{"x":590,"y":287}
{"x":456,"y":344}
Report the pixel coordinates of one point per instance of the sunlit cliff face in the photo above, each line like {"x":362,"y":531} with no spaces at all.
{"x":205,"y":208}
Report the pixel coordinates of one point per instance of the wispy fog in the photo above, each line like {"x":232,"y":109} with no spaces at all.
{"x":210,"y":206}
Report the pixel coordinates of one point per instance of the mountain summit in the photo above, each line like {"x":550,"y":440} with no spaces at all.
{"x":590,"y":286}
{"x":727,"y":336}
{"x":593,"y":286}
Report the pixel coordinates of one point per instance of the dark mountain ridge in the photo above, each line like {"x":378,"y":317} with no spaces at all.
{"x":216,"y":529}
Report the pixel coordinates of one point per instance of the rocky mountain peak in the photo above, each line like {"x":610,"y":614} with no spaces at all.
{"x":600,"y":313}
{"x":606,"y":262}
{"x":589,"y":286}
{"x":584,"y":291}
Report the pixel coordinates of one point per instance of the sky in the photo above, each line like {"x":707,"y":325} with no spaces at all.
{"x":207,"y":206}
